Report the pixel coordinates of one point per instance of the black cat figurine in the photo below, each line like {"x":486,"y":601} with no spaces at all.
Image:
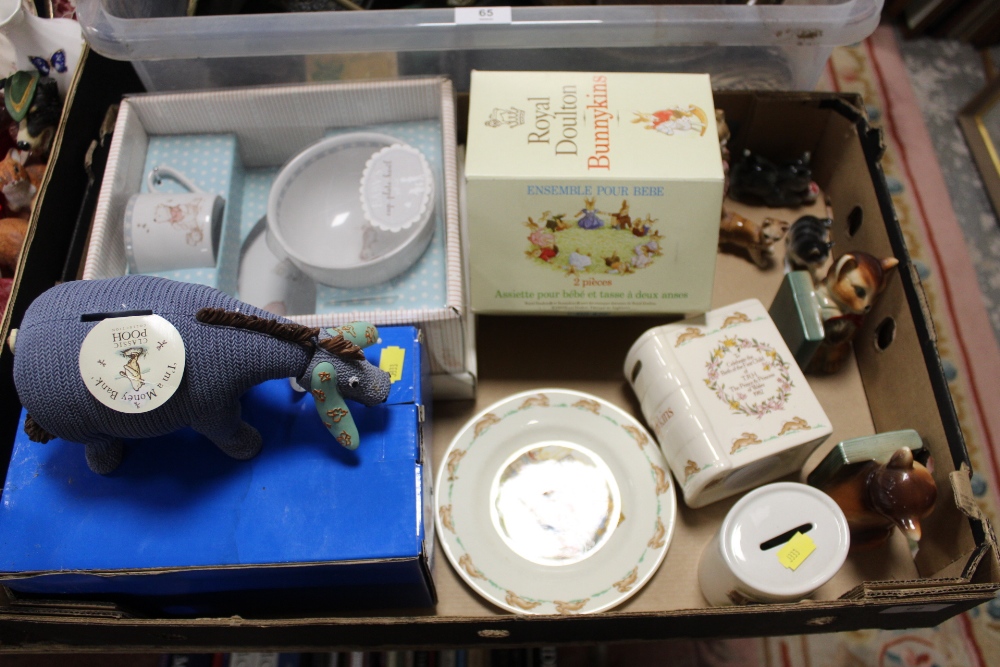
{"x":754,"y":179}
{"x":808,"y":244}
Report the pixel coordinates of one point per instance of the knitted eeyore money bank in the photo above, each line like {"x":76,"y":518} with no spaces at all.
{"x":100,"y":395}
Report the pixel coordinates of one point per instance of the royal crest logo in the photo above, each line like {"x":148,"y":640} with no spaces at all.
{"x":511,"y":117}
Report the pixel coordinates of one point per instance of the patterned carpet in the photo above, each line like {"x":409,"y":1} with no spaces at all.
{"x":945,"y":75}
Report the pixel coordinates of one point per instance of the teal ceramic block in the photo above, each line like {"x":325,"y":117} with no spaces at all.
{"x":878,"y":447}
{"x":795,"y":312}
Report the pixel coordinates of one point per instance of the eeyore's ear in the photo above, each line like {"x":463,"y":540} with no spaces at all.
{"x":361,"y":334}
{"x":331,"y":406}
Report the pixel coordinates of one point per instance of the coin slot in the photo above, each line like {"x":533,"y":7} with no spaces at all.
{"x":885,"y":333}
{"x":635,"y":370}
{"x":97,"y":317}
{"x":784,"y":537}
{"x":854,"y":220}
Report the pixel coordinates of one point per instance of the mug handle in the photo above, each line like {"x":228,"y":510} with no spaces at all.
{"x":157,"y":173}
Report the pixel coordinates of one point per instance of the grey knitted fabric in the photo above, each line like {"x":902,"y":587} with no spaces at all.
{"x":221,"y":364}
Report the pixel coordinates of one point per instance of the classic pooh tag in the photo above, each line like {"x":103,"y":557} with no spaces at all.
{"x":132,"y":364}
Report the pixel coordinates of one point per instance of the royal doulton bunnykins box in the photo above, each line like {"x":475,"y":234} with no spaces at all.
{"x":592,"y":192}
{"x":728,"y":404}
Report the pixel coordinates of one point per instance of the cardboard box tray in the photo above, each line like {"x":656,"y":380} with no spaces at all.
{"x":896,"y":383}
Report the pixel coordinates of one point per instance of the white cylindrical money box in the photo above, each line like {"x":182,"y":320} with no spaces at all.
{"x":779,"y":543}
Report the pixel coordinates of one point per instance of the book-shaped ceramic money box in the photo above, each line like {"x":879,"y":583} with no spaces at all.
{"x":726,"y":400}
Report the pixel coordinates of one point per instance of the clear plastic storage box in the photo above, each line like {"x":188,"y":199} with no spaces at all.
{"x":742,"y":46}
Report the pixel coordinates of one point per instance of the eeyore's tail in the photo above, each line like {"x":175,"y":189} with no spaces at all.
{"x":35,"y":432}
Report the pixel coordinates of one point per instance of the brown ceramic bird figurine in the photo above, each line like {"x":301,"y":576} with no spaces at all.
{"x":877,"y":496}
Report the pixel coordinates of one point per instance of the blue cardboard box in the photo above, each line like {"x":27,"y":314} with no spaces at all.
{"x":182,"y":529}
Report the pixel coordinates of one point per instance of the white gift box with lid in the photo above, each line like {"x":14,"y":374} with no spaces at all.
{"x":271,"y":125}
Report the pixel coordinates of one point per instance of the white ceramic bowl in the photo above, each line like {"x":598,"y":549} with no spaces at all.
{"x":352,"y":210}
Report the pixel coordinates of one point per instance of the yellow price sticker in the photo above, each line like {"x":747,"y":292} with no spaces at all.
{"x":391,"y":362}
{"x":796,"y":550}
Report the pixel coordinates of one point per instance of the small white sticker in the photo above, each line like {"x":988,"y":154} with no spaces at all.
{"x":397,"y":188}
{"x":466,"y":15}
{"x":132,"y":364}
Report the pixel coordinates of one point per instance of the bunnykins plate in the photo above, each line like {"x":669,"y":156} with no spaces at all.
{"x":554,"y":502}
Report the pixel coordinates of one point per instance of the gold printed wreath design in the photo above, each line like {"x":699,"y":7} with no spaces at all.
{"x":735,"y":400}
{"x":446,"y":520}
{"x":625,"y":584}
{"x":657,"y":541}
{"x":589,"y":405}
{"x":539,"y":401}
{"x":641,"y":438}
{"x":516,"y":600}
{"x":692,"y":468}
{"x":565,"y":608}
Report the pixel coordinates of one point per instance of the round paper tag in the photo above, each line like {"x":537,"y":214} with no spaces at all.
{"x":132,"y":364}
{"x":396,"y":188}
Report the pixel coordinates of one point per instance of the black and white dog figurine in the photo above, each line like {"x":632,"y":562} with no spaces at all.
{"x":808,"y":244}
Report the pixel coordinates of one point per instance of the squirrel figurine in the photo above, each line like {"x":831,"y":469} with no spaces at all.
{"x":846,"y":296}
{"x":877,"y":496}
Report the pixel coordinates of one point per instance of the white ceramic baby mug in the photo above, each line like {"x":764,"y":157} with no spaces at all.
{"x":172,"y":230}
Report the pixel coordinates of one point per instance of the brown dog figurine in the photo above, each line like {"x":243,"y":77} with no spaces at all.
{"x":758,"y":239}
{"x":876,"y":497}
{"x":845,"y":296}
